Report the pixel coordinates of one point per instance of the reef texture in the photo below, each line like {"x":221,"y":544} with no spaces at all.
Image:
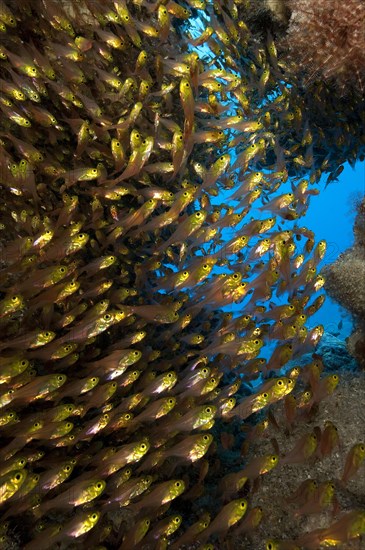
{"x":327,"y":39}
{"x":155,"y":280}
{"x":345,"y":283}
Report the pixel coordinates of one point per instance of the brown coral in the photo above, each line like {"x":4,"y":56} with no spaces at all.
{"x":345,"y":283}
{"x":326,"y":39}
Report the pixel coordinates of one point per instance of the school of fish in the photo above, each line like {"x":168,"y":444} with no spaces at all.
{"x":135,"y":303}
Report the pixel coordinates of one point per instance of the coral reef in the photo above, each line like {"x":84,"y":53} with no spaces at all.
{"x":155,"y":280}
{"x":327,"y":39}
{"x":345,"y":283}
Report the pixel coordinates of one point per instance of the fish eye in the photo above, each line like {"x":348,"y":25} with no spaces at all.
{"x":177,"y":484}
{"x":36,"y":425}
{"x":265,"y":395}
{"x":11,"y":415}
{"x":256,"y":342}
{"x":99,"y":485}
{"x":14,"y":299}
{"x":143,"y":447}
{"x":22,"y":461}
{"x":206,"y":437}
{"x":94,"y":516}
{"x":67,"y":468}
{"x":93,"y":380}
{"x":60,"y":378}
{"x":107,"y":317}
{"x":18,"y":477}
{"x":208,"y":410}
{"x":279,"y":382}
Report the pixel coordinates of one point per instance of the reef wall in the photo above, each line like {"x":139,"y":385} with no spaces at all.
{"x":345,"y":283}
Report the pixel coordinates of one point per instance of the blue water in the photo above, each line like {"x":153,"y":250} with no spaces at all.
{"x":331,"y":216}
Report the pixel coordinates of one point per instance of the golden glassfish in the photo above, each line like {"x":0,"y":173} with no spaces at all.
{"x":228,"y":516}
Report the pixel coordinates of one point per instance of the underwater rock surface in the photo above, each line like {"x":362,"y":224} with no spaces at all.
{"x":345,"y":283}
{"x":334,"y":354}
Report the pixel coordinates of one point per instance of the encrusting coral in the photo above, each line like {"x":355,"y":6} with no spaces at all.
{"x":327,"y":40}
{"x":345,"y":283}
